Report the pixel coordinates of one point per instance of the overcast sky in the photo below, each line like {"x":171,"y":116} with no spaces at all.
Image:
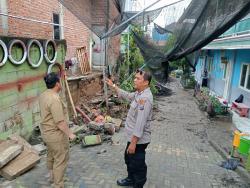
{"x":168,"y":15}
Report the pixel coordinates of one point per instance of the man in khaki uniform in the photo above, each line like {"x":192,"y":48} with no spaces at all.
{"x":137,"y":128}
{"x":54,"y":129}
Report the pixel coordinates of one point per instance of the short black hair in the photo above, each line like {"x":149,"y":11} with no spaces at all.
{"x":147,"y":76}
{"x":51,"y":79}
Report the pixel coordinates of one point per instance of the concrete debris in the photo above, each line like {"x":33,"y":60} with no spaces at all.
{"x":85,"y":116}
{"x":96,"y":101}
{"x":8,"y":151}
{"x":23,"y":162}
{"x":95,"y":126}
{"x":79,"y":129}
{"x":118,"y":123}
{"x":23,"y":142}
{"x":109,"y":128}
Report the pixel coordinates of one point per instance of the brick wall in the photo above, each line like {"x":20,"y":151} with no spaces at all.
{"x":75,"y":32}
{"x":77,"y":35}
{"x":85,"y":89}
{"x":99,"y":9}
{"x":99,"y":14}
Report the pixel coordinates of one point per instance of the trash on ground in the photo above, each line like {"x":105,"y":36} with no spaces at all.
{"x":230,"y":164}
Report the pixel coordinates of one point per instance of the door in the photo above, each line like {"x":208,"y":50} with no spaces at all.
{"x":227,"y":78}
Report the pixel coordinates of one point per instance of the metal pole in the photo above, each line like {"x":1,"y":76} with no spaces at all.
{"x":128,"y":42}
{"x":122,"y":24}
{"x":143,"y":17}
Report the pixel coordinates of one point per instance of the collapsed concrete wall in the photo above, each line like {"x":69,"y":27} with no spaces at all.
{"x":85,"y":89}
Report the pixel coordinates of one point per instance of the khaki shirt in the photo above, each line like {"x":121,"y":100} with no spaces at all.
{"x":53,"y":111}
{"x":139,"y":116}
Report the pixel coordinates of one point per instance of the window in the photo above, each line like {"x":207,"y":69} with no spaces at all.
{"x":210,"y":64}
{"x":56,"y":20}
{"x":245,"y":76}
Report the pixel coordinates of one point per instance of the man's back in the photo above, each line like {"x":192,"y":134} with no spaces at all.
{"x":52,"y":112}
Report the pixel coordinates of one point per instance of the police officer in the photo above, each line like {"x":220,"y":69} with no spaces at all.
{"x":54,"y":129}
{"x":137,"y":128}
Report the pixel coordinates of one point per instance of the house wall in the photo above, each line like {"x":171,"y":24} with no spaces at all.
{"x":75,"y":32}
{"x":20,"y":87}
{"x":216,"y":81}
{"x":242,"y":56}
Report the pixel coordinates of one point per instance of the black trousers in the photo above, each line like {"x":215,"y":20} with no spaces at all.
{"x":136,"y":165}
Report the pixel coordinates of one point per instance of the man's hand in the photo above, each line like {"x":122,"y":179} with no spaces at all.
{"x":131,"y":148}
{"x":72,"y":137}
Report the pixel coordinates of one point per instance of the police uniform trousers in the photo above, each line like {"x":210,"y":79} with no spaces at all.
{"x":136,"y":165}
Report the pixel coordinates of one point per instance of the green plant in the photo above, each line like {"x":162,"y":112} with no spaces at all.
{"x":205,"y":92}
{"x":133,"y":60}
{"x":128,"y":85}
{"x":217,"y":106}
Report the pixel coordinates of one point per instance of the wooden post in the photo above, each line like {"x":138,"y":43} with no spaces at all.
{"x":70,"y":97}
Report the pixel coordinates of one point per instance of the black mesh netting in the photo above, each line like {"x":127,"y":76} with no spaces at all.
{"x":161,"y":30}
{"x":102,"y":15}
{"x":198,"y":24}
{"x":202,"y":22}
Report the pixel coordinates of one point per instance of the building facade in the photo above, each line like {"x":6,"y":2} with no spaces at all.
{"x":21,"y":85}
{"x":227,"y":62}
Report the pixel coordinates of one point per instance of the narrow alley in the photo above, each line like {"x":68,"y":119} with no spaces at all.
{"x":179,"y":155}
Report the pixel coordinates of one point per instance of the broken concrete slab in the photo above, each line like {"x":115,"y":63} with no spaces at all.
{"x":91,"y":140}
{"x":22,"y":163}
{"x":8,"y":151}
{"x":25,"y":161}
{"x":40,"y":148}
{"x":23,"y":142}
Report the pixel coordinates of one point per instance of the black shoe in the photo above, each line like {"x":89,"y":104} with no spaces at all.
{"x":125,"y":182}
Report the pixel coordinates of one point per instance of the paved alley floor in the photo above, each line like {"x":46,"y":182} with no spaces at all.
{"x":179,"y":155}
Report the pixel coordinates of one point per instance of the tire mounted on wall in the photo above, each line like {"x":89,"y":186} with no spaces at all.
{"x":46,"y":43}
{"x":33,"y":41}
{"x":11,"y":44}
{"x":5,"y":51}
